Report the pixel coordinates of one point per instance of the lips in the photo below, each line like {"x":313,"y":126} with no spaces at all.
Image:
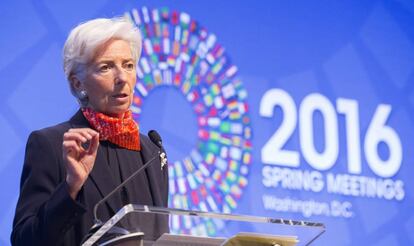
{"x":120,"y":95}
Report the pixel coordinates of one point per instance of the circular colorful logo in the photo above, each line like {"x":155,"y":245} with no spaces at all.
{"x":179,"y":52}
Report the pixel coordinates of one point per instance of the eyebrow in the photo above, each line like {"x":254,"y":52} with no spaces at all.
{"x":111,"y":61}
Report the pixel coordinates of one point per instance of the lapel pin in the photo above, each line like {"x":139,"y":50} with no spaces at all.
{"x":164,"y":160}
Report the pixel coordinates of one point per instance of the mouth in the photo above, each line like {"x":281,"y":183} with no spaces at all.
{"x":120,"y":95}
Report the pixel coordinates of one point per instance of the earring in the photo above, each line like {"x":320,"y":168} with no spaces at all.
{"x":82,"y":95}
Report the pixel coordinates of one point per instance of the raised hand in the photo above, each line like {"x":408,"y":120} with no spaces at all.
{"x":80,"y":146}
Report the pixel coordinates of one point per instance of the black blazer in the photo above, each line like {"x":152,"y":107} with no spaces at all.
{"x":47,"y":215}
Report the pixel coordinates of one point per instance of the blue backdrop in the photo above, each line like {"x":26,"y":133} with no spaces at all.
{"x":297,"y":109}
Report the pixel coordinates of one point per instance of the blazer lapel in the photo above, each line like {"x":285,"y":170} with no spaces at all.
{"x":101,"y":177}
{"x":138,"y":187}
{"x":148,"y":151}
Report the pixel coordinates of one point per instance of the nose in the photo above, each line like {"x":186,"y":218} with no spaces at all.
{"x":120,"y":76}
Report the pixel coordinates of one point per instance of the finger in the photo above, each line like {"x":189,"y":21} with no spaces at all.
{"x":84,"y":131}
{"x":94,"y":144}
{"x":72,"y":148}
{"x":79,"y":138}
{"x":83,"y":134}
{"x":76,"y":137}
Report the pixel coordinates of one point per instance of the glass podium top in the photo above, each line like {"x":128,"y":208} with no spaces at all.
{"x":170,"y":226}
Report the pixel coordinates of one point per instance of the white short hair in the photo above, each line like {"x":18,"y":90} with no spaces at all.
{"x":85,"y":38}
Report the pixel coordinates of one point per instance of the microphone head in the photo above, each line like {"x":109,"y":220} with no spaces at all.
{"x":155,"y":138}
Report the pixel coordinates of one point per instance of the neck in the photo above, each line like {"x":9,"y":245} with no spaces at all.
{"x":119,"y":116}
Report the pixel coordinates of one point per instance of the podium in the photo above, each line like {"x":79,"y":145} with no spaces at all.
{"x":197,"y":228}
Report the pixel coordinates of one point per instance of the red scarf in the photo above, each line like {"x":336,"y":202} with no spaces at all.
{"x":122,"y":132}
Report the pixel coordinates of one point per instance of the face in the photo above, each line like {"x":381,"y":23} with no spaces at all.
{"x":110,"y":78}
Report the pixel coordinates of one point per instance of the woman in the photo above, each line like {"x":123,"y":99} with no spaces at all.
{"x":69,"y":167}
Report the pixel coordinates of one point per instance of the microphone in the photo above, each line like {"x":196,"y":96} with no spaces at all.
{"x":156,"y":139}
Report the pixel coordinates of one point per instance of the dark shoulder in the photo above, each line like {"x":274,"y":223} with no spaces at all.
{"x":43,"y":152}
{"x":54,"y":134}
{"x":144,"y":139}
{"x":57,"y":131}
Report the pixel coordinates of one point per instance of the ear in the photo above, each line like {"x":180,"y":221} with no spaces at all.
{"x":75,"y":83}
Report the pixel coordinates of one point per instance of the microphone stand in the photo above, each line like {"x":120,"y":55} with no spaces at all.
{"x":156,"y":139}
{"x":97,"y":221}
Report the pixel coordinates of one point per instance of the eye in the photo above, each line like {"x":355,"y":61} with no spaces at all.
{"x":130,"y":65}
{"x":104,"y":68}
